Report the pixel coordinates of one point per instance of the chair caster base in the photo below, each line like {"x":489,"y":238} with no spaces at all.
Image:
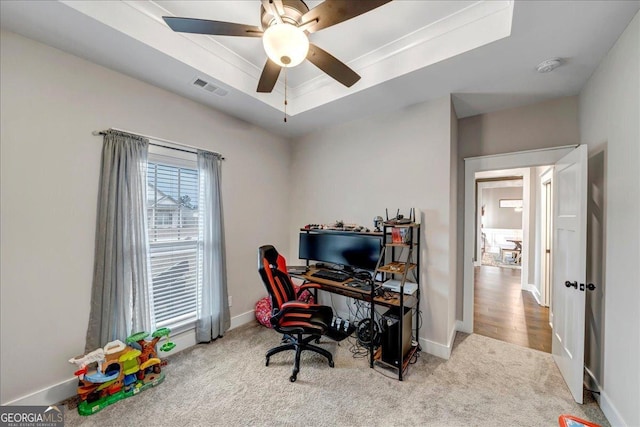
{"x":331,"y":364}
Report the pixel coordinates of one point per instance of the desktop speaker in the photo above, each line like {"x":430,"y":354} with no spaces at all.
{"x":391,"y":335}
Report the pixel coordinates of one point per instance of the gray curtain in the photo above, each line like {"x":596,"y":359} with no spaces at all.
{"x":120,"y":296}
{"x":213,"y":312}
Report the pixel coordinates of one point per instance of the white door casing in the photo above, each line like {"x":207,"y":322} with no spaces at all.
{"x":546,"y":235}
{"x":567,"y":313}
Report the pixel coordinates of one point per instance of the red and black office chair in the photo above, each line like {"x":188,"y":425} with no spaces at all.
{"x":299,"y":322}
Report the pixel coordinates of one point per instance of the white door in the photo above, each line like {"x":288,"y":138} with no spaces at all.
{"x":569,"y":267}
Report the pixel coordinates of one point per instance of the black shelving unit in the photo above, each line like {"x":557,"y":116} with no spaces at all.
{"x":399,"y":260}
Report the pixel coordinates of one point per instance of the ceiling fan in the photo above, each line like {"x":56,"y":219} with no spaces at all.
{"x":285,"y":27}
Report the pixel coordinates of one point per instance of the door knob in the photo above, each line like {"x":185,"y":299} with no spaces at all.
{"x":590,"y":286}
{"x":569,"y":284}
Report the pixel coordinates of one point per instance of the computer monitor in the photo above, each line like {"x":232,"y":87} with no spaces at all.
{"x":355,"y":250}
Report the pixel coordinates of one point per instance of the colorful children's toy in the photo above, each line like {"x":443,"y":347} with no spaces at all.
{"x":118,"y":371}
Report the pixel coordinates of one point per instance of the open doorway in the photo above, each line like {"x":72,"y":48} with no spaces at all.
{"x":507,"y":295}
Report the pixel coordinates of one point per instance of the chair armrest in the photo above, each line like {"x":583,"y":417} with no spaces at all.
{"x":307,"y":286}
{"x":294,"y":304}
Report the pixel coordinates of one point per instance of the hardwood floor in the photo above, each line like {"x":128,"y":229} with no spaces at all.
{"x":502,"y":310}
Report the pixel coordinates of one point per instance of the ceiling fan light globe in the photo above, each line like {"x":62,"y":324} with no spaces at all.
{"x":285,"y":44}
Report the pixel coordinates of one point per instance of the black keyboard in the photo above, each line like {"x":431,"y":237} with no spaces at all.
{"x":335,"y":276}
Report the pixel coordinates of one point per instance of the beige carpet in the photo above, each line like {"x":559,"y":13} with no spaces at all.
{"x":485,"y":383}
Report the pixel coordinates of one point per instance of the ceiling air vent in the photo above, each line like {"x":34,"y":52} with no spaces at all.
{"x":200,"y":82}
{"x":209,"y":87}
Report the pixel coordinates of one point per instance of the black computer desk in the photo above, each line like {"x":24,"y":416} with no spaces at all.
{"x":388,"y":299}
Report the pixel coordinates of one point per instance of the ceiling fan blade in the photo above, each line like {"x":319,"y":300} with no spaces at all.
{"x":332,"y":66}
{"x":216,"y":28}
{"x":332,"y":12}
{"x":269,"y":76}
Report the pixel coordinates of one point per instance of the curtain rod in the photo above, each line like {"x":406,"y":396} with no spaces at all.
{"x":186,"y":148}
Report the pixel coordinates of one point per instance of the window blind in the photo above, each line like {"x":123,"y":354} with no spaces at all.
{"x":172,"y":213}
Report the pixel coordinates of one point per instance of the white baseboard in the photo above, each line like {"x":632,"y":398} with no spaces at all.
{"x":242,"y":319}
{"x":610,"y":411}
{"x":534,"y":291}
{"x":462,"y":326}
{"x":439,"y":350}
{"x":67,"y":388}
{"x":49,"y":395}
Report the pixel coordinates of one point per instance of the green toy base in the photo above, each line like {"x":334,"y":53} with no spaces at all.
{"x":85,"y":408}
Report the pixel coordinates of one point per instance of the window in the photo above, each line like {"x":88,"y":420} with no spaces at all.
{"x":510,"y":203}
{"x":162,"y":217}
{"x":172,"y":213}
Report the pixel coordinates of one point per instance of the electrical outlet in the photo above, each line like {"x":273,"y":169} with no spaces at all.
{"x":230,"y":300}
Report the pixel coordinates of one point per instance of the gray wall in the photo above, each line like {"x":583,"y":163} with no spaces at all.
{"x":494,"y":215}
{"x":609,"y":124}
{"x":353,"y":171}
{"x":546,"y":124}
{"x":51,"y":102}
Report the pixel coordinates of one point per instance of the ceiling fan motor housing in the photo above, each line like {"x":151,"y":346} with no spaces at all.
{"x":293,"y":11}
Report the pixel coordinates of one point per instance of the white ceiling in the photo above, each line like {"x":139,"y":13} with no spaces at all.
{"x":482,"y":52}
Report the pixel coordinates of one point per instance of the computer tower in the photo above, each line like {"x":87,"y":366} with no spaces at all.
{"x":391,"y":332}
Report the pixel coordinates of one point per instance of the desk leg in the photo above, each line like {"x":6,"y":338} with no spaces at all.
{"x":371,"y":344}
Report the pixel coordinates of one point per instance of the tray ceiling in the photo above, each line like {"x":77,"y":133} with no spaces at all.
{"x":483,"y":52}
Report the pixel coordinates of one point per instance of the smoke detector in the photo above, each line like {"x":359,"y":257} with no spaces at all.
{"x":549,"y":65}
